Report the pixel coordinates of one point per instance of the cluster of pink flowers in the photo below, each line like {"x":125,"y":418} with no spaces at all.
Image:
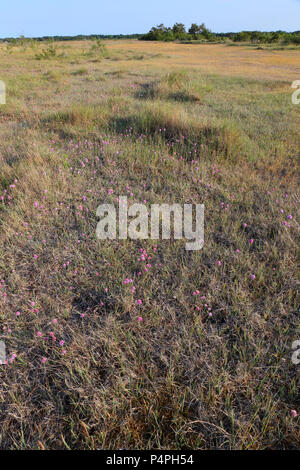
{"x":204,"y":305}
{"x":52,"y":336}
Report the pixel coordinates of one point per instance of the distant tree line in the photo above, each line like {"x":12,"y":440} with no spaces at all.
{"x":265,"y":37}
{"x":201,"y":33}
{"x":178,"y":33}
{"x":79,"y":37}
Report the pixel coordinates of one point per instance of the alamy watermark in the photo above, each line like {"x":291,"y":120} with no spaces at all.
{"x":2,"y":92}
{"x":296,"y":353}
{"x":184,"y":225}
{"x":296,"y":94}
{"x":2,"y":352}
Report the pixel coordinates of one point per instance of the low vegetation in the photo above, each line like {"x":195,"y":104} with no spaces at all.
{"x":141,"y":344}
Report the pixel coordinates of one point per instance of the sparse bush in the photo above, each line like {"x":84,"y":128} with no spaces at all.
{"x":176,"y":86}
{"x":81,"y":71}
{"x":47,"y":53}
{"x":98,"y":48}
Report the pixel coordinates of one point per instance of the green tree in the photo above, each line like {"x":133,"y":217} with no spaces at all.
{"x":194,"y":30}
{"x":179,"y":30}
{"x":205,"y":32}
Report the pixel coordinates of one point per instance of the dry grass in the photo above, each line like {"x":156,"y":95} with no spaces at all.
{"x":206,"y":371}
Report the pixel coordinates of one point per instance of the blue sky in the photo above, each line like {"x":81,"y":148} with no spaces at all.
{"x":71,"y":17}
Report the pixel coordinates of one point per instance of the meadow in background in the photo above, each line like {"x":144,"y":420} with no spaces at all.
{"x":140,"y":344}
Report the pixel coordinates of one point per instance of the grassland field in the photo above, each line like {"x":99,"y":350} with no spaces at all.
{"x":204,"y":361}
